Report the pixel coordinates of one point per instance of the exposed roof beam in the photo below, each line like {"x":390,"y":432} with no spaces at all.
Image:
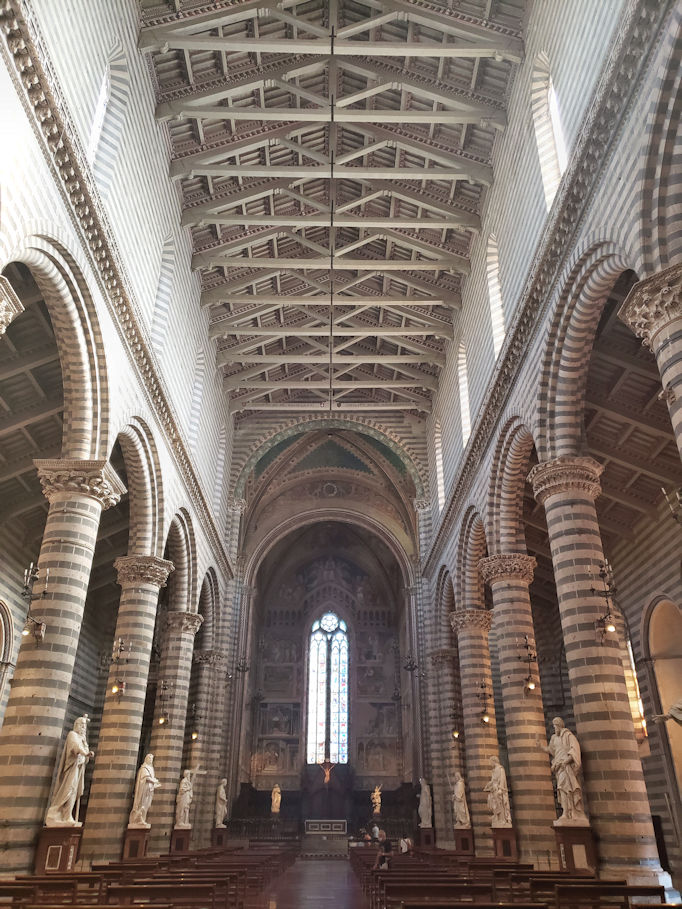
{"x":29,"y":359}
{"x":187,"y":24}
{"x":25,"y":464}
{"x":614,"y":407}
{"x":619,"y":455}
{"x":180,"y":167}
{"x":296,"y":220}
{"x":321,"y":331}
{"x":446,"y":263}
{"x":225,"y":356}
{"x":425,"y":200}
{"x":284,"y":300}
{"x":335,"y":407}
{"x":214,"y":295}
{"x":27,"y":415}
{"x":232,"y":382}
{"x":325,"y":114}
{"x":467,"y":170}
{"x":199,"y":214}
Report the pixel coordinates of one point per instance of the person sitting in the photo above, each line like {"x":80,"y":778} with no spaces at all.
{"x":383,"y":853}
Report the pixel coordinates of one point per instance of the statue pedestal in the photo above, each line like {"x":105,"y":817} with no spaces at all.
{"x":464,"y":841}
{"x":426,"y":837}
{"x":219,"y":836}
{"x":577,"y":848}
{"x":135,"y":842}
{"x":57,"y":849}
{"x":179,"y":841}
{"x":505,"y":843}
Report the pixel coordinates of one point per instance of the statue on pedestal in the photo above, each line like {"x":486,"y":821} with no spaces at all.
{"x":184,"y":798}
{"x":376,"y":800}
{"x":564,"y":750}
{"x":221,"y":804}
{"x":424,"y":804}
{"x":68,"y":789}
{"x":275,"y":799}
{"x":498,"y":795}
{"x":145,"y":784}
{"x":460,"y":809}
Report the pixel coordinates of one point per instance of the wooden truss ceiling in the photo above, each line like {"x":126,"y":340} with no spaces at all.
{"x":332,"y":156}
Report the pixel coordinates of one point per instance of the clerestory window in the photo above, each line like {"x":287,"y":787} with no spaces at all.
{"x":328,"y":691}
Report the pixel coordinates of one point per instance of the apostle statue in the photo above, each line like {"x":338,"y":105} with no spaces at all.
{"x":424,"y":804}
{"x":145,"y":784}
{"x":184,"y":798}
{"x":498,"y":795}
{"x":566,"y":761}
{"x":68,"y":789}
{"x":376,"y":800}
{"x":220,"y":804}
{"x":275,"y":799}
{"x":460,"y":809}
{"x":674,"y":713}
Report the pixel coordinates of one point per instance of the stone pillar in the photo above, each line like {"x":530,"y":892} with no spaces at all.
{"x":10,"y":304}
{"x":31,"y":734}
{"x":113,"y":780}
{"x":444,"y":756}
{"x":509,"y":577}
{"x":472,"y":627}
{"x":653,"y":311}
{"x":168,"y":739}
{"x":206,"y":750}
{"x":617,"y":802}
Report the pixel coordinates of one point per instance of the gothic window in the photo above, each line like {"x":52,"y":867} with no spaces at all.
{"x":328,"y":691}
{"x":495,"y":295}
{"x":109,"y":118}
{"x":440,"y":474}
{"x":548,"y":130}
{"x":465,"y":416}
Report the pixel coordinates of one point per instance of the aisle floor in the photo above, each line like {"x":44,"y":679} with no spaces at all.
{"x":320,"y":884}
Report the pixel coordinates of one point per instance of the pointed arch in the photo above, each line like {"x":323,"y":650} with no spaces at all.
{"x":470,"y":592}
{"x":164,"y":293}
{"x":495,"y":294}
{"x":464,"y":412}
{"x":109,"y":119}
{"x":144,"y":487}
{"x":507,"y":482}
{"x":549,"y":134}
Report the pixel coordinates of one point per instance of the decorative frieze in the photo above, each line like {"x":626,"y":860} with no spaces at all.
{"x":468,"y":619}
{"x":212,"y":658}
{"x":442,"y":656}
{"x":184,"y":622}
{"x":96,"y":479}
{"x":135,"y":569}
{"x":512,"y":567}
{"x":653,"y":303}
{"x":10,"y":304}
{"x":565,"y":474}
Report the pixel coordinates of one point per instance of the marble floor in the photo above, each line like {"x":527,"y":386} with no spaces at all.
{"x":316,"y":885}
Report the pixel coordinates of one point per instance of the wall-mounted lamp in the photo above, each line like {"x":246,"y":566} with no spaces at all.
{"x":483,"y":697}
{"x":120,"y":650}
{"x":34,"y":627}
{"x":164,"y":719}
{"x":455,"y":734}
{"x":242,"y":665}
{"x":674,"y":501}
{"x":410,"y":664}
{"x":164,"y":715}
{"x":119,"y":688}
{"x":605,"y":624}
{"x":529,"y":658}
{"x":31,"y":575}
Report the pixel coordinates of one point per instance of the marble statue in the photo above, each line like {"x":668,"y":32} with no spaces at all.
{"x":184,"y":798}
{"x":566,"y":761}
{"x":376,"y":800}
{"x":460,"y":809}
{"x":68,"y":788}
{"x":674,"y":713}
{"x":275,"y":799}
{"x":498,"y":795}
{"x":424,"y":804}
{"x":145,"y":784}
{"x":221,"y":804}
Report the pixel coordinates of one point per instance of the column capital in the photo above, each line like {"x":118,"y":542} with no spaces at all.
{"x":138,"y":569}
{"x":442,"y":655}
{"x":467,"y":619}
{"x":564,"y":474}
{"x":422,"y":504}
{"x":508,"y":567}
{"x":96,"y":479}
{"x":236,"y":505}
{"x":213,"y":658}
{"x":653,"y":303}
{"x":10,"y":304}
{"x":184,"y":621}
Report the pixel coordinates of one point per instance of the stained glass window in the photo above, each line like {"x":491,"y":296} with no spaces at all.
{"x":328,"y":691}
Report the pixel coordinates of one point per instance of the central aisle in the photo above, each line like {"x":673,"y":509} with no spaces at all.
{"x":315,"y":884}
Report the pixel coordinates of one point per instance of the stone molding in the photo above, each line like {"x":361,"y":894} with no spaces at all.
{"x":212,"y":658}
{"x":421,"y":505}
{"x":236,"y":505}
{"x":509,"y":567}
{"x":612,"y":98}
{"x":566,"y":474}
{"x":468,"y":619}
{"x":38,"y":87}
{"x":184,"y":622}
{"x":653,"y":303}
{"x":137,"y":569}
{"x":96,"y":479}
{"x":442,"y":656}
{"x":10,"y":304}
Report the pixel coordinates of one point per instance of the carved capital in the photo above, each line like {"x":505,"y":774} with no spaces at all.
{"x":135,"y":569}
{"x":421,"y":504}
{"x":653,"y":303}
{"x":467,"y":619}
{"x":184,"y":622}
{"x":566,"y":474}
{"x":10,"y":304}
{"x":212,"y":658}
{"x":96,"y":479}
{"x":512,"y":567}
{"x":442,"y":656}
{"x":236,"y":506}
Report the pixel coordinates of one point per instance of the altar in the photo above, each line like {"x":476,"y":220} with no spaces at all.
{"x":320,"y":827}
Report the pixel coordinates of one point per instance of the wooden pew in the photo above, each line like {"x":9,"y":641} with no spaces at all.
{"x":597,"y":894}
{"x":394,"y":894}
{"x":198,"y":896}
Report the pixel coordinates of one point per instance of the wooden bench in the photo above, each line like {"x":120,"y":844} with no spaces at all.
{"x":603,"y":893}
{"x":195,"y":896}
{"x":395,"y":894}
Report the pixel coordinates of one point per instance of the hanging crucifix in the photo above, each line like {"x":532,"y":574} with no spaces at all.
{"x":326,"y":766}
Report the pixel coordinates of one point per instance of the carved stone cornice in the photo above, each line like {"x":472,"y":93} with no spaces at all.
{"x":507,"y":567}
{"x":566,"y":474}
{"x":422,"y":504}
{"x":468,"y":619}
{"x":10,"y":304}
{"x":653,"y":303}
{"x":613,"y":96}
{"x":137,"y":569}
{"x":95,"y":479}
{"x":39,"y":90}
{"x":181,"y":622}
{"x":211,"y":658}
{"x":442,"y":656}
{"x":236,"y":505}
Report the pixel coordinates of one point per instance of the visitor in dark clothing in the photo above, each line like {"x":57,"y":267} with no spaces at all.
{"x":384,"y":852}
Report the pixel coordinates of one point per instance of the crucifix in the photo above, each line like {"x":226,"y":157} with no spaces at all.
{"x":326,"y":766}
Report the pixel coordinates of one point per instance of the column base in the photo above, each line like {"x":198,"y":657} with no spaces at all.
{"x":219,"y":836}
{"x":464,"y":840}
{"x":577,"y":848}
{"x":135,"y":842}
{"x":426,"y":837}
{"x":641,"y":874}
{"x":180,"y":837}
{"x":57,"y":849}
{"x":505,"y":843}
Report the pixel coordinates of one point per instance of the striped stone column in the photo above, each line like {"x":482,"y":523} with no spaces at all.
{"x":10,"y":304}
{"x":168,"y":739}
{"x":206,"y":750}
{"x":141,"y":578}
{"x":30,"y":738}
{"x":472,"y":627}
{"x":444,"y":758}
{"x":616,"y":797}
{"x":653,"y":310}
{"x":509,"y":577}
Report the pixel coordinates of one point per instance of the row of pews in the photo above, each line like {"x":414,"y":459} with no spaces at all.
{"x":439,"y":879}
{"x":216,"y":878}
